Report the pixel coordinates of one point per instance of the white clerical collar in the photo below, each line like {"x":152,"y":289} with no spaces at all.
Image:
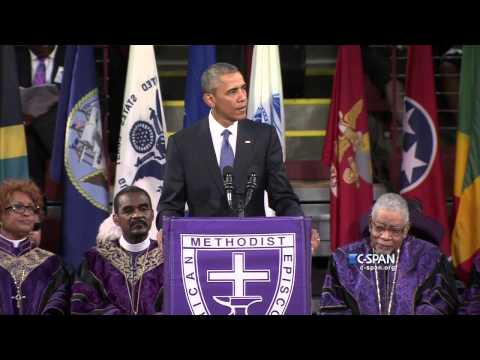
{"x":16,"y":243}
{"x":134,"y":247}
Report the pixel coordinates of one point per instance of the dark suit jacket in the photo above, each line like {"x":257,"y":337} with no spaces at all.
{"x":192,"y":173}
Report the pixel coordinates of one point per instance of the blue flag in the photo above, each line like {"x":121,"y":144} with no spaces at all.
{"x":200,"y":57}
{"x":78,"y":161}
{"x":13,"y":148}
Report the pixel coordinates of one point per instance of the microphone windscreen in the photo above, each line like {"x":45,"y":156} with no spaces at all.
{"x":252,"y":170}
{"x":227,"y":170}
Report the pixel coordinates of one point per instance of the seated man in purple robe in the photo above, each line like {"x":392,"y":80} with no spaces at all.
{"x":389,"y":272}
{"x":33,"y":281}
{"x":471,"y":297}
{"x":124,"y":275}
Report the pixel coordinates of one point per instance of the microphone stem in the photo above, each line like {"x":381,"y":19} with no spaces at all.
{"x":241,"y":208}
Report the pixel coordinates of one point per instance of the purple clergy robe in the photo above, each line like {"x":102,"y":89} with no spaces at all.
{"x":41,"y":277}
{"x":424,"y":285}
{"x":471,"y":300}
{"x":100,"y":287}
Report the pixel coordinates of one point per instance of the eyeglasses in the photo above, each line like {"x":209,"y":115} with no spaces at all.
{"x":381,"y":229}
{"x":23,"y":209}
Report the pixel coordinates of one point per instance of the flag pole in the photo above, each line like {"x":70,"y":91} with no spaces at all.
{"x":109,"y":168}
{"x":394,"y":126}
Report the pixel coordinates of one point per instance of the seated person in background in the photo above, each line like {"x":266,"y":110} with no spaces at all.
{"x":471,"y":298}
{"x":33,"y":281}
{"x":122,"y":275}
{"x":417,"y":279}
{"x":39,"y":66}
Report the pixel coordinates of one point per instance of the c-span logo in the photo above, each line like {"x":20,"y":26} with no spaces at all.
{"x":84,"y":161}
{"x":249,"y":274}
{"x":419,"y":145}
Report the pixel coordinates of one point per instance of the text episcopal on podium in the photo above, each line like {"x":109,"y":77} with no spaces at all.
{"x":237,"y":266}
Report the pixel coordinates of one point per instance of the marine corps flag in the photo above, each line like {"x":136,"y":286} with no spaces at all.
{"x":421,"y":176}
{"x":466,"y":232}
{"x":347,"y":149}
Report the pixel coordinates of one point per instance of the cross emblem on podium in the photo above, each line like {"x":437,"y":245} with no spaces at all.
{"x":238,"y":276}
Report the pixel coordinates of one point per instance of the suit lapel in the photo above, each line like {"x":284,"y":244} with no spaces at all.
{"x":24,"y":66}
{"x":243,"y":154}
{"x":208,"y":156}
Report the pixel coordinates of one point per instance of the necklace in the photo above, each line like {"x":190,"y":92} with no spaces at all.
{"x":130,"y":297}
{"x":19,"y":297}
{"x":392,"y":289}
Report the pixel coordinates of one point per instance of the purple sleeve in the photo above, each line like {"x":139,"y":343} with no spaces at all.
{"x":438,"y":295}
{"x":333,"y":300}
{"x":58,"y":301}
{"x":471,"y":299}
{"x":89,"y":296}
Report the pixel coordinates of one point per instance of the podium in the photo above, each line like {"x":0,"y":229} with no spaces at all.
{"x":237,"y":266}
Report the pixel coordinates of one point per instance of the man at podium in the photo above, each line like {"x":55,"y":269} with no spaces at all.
{"x":222,"y":165}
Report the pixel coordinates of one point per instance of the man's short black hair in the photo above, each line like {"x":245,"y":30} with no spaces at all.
{"x":129,"y":189}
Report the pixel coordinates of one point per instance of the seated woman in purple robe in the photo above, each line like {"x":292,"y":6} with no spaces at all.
{"x":123,"y":275}
{"x":33,"y":281}
{"x":471,"y":297}
{"x":389,"y":272}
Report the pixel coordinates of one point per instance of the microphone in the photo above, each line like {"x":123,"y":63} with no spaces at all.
{"x":228,"y":184}
{"x":251,"y":184}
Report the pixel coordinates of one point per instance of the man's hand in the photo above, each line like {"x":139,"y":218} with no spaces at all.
{"x":315,"y":240}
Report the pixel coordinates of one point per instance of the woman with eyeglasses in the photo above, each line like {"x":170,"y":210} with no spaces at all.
{"x":33,"y":281}
{"x":389,"y":272}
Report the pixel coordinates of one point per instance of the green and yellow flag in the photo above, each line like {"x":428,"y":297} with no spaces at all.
{"x":13,"y":149}
{"x":466,"y":232}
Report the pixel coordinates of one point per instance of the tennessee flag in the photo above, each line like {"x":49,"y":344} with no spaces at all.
{"x":466,"y":232}
{"x":421,"y":176}
{"x":347,"y":149}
